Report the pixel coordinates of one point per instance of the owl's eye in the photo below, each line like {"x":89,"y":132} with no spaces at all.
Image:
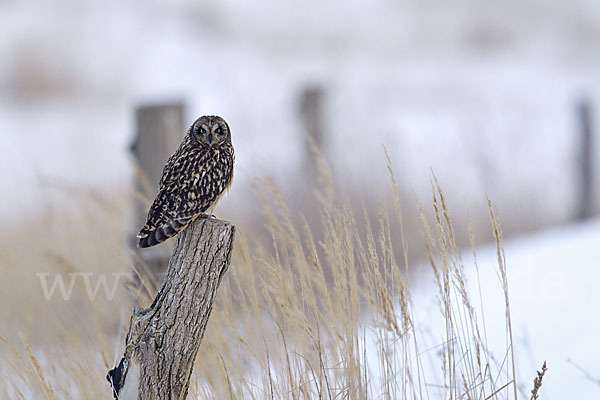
{"x":219,"y":131}
{"x":202,"y":131}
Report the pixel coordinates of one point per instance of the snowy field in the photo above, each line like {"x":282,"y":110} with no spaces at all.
{"x":484,"y":94}
{"x":553,"y":286}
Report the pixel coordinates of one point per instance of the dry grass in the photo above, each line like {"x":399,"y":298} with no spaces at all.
{"x":537,"y":382}
{"x":309,"y":313}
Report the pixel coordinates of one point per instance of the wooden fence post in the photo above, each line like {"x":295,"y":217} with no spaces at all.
{"x":311,"y":113}
{"x":163,"y":340}
{"x":159,"y":131}
{"x":585,"y":201}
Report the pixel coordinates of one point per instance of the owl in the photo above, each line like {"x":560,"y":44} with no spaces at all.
{"x":194,"y":179}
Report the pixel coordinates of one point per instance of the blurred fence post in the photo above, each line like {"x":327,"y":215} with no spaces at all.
{"x":311,"y":104}
{"x":159,"y":131}
{"x":585,"y":144}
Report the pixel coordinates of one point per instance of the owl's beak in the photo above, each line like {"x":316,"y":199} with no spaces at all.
{"x":210,"y":138}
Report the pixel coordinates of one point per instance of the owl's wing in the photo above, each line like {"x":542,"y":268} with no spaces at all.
{"x":162,"y":222}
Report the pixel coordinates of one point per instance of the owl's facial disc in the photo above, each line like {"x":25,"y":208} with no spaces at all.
{"x":211,"y":130}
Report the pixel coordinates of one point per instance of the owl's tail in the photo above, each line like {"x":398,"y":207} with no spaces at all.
{"x":153,"y":235}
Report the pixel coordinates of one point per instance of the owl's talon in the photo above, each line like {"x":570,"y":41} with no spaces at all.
{"x":207,"y":216}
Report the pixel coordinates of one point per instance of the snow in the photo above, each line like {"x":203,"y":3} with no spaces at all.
{"x":553,"y":287}
{"x":483,"y":94}
{"x":554,"y":298}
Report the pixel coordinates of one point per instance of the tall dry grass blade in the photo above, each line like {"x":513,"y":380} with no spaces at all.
{"x":504,"y":280}
{"x":46,"y":386}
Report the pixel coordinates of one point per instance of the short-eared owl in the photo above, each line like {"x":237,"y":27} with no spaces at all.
{"x":193,"y":180}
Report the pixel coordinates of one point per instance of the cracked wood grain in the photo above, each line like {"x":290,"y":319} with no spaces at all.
{"x":163,"y":340}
